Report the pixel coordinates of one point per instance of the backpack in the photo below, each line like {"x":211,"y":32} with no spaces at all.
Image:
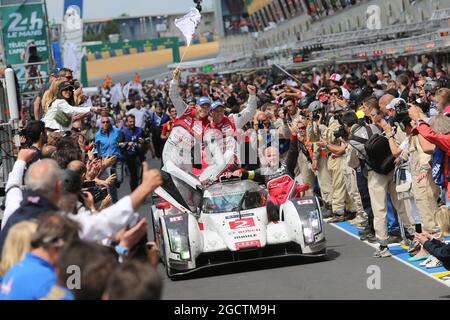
{"x":379,"y":156}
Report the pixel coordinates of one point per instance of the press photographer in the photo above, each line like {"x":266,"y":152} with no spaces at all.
{"x":133,"y":149}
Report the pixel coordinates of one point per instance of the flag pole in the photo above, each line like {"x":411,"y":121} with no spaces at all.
{"x":182,"y":57}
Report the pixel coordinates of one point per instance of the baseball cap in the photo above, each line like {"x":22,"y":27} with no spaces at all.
{"x":54,"y":72}
{"x":65,"y":86}
{"x":217,"y":104}
{"x":203,"y":100}
{"x":335,"y":77}
{"x":394,"y":103}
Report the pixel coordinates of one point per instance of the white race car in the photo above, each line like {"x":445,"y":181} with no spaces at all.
{"x":232,"y":225}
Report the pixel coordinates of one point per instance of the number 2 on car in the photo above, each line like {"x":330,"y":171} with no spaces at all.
{"x":242,"y":223}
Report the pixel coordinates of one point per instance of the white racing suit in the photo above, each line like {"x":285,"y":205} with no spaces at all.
{"x":221,"y":142}
{"x":183,"y":148}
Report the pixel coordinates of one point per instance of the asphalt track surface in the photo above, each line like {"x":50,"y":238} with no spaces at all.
{"x":343,"y":275}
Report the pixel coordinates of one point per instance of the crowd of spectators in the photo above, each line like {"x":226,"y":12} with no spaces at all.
{"x":373,"y":145}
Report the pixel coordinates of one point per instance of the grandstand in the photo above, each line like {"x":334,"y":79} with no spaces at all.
{"x":404,"y":28}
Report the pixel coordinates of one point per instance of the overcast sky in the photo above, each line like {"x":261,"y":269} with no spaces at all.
{"x":103,"y":9}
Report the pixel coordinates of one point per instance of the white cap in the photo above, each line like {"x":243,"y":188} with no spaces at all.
{"x":393,"y":103}
{"x":335,"y":77}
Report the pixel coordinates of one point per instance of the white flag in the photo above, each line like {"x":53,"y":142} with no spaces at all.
{"x":126,"y":90}
{"x":116,"y":94}
{"x":188,"y":23}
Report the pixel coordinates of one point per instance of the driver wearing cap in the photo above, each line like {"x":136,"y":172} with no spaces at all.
{"x":220,"y":137}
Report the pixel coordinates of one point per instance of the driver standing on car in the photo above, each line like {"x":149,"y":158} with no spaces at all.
{"x":220,"y":137}
{"x":183,"y":147}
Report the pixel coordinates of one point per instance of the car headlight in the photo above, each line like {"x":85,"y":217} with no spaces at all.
{"x":311,"y":226}
{"x":179,"y":244}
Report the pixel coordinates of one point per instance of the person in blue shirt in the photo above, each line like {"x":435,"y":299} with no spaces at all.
{"x":34,"y":278}
{"x":107,"y":141}
{"x":133,"y":150}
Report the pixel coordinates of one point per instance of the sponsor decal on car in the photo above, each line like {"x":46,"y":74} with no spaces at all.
{"x":248,"y":214}
{"x":249,"y":230}
{"x":307,"y":201}
{"x":243,"y":236}
{"x":247,"y":244}
{"x":242,"y":223}
{"x":176,"y":219}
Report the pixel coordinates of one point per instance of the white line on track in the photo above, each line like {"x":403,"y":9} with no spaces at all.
{"x":445,"y":283}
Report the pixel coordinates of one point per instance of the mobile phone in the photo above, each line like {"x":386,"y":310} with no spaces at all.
{"x":419,"y":228}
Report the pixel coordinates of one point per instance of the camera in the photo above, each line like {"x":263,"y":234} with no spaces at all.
{"x":401,"y":116}
{"x":340,"y":133}
{"x":98,"y":193}
{"x":89,"y":184}
{"x":316,"y":115}
{"x":260,"y":125}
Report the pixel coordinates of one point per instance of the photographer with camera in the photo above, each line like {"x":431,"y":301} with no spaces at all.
{"x":133,"y":150}
{"x":441,"y":140}
{"x":422,"y":187}
{"x":314,"y":132}
{"x":342,"y":204}
{"x":379,"y":151}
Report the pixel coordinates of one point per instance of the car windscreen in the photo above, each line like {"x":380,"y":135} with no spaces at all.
{"x":230,"y":202}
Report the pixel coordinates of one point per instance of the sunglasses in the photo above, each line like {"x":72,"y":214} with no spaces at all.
{"x":334,"y":93}
{"x":301,"y":128}
{"x":106,"y":122}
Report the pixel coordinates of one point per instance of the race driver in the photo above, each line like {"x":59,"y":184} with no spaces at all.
{"x":183,"y":147}
{"x":221,"y":136}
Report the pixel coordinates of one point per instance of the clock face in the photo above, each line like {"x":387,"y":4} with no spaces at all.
{"x":72,"y":18}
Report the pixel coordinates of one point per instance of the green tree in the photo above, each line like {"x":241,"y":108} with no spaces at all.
{"x":111,"y":27}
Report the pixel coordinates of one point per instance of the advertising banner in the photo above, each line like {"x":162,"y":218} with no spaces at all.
{"x":72,"y":36}
{"x":25,"y":38}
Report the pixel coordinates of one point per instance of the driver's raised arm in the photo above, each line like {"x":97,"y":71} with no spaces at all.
{"x":246,"y":115}
{"x":174,"y":94}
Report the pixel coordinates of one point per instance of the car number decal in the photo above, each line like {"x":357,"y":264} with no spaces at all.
{"x":242,"y":223}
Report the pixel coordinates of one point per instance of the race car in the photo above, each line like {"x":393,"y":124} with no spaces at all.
{"x":232,"y":225}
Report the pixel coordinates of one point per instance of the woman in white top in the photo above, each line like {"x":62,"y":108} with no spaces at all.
{"x":65,"y":92}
